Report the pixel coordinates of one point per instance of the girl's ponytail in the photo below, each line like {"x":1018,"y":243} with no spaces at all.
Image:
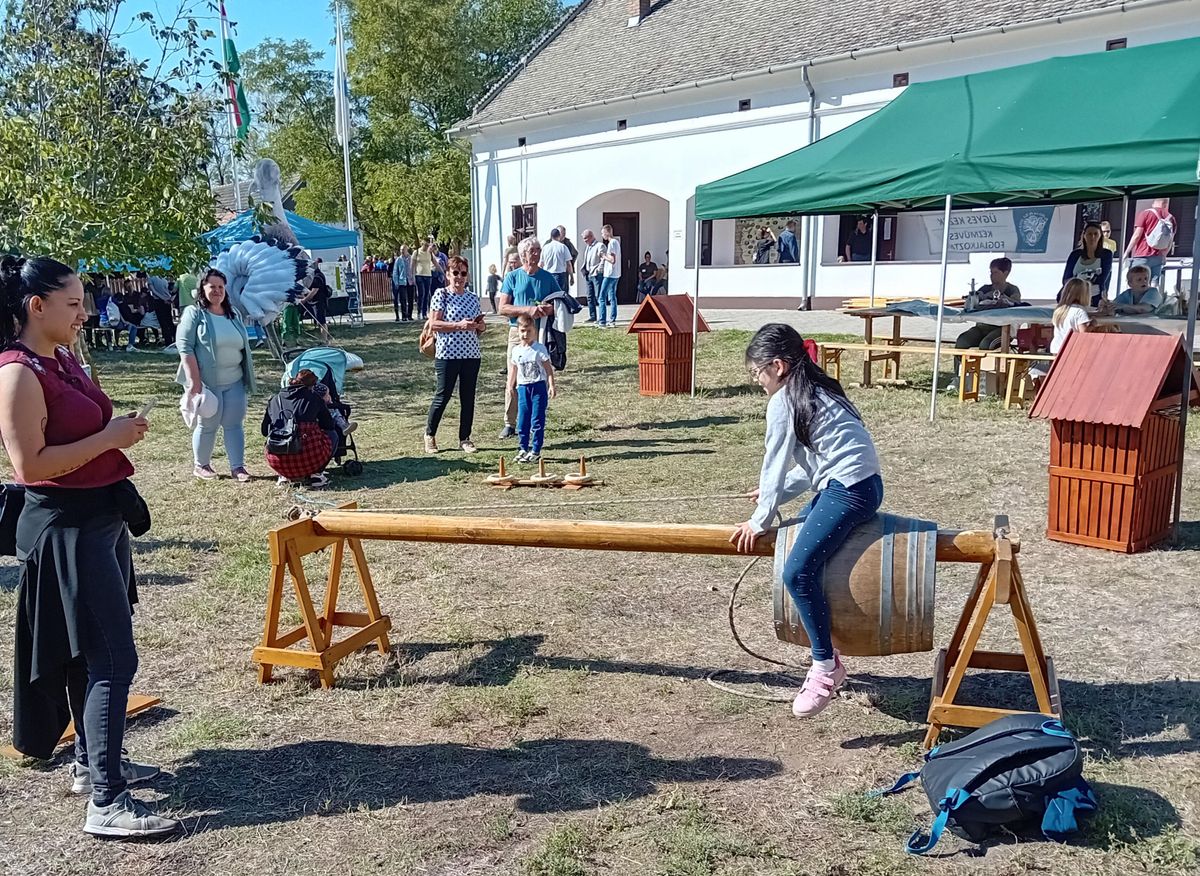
{"x":804,"y":378}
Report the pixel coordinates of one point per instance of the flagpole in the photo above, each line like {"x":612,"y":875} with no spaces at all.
{"x":342,"y":110}
{"x":237,"y":185}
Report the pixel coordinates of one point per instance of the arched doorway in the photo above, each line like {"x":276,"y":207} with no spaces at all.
{"x":640,"y":219}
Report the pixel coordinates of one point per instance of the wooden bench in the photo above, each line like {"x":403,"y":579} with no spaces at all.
{"x":971,"y":365}
{"x":862,"y":302}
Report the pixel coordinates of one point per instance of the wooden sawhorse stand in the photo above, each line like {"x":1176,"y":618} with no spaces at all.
{"x":999,"y":582}
{"x":289,"y":543}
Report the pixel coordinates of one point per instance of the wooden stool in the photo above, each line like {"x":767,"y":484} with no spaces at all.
{"x":969,"y":377}
{"x":998,"y":583}
{"x":1019,"y":380}
{"x":831,"y":356}
{"x":289,"y":543}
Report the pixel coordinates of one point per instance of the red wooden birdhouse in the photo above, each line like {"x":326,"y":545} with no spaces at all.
{"x":1113,"y":403}
{"x":663,"y":325}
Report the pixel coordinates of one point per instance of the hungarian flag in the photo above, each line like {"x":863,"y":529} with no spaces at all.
{"x":239,"y":106}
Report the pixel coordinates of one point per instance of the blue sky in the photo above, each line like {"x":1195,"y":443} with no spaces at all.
{"x":255,"y":20}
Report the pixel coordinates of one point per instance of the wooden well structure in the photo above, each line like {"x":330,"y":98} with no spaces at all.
{"x":663,"y":325}
{"x":1113,"y":404}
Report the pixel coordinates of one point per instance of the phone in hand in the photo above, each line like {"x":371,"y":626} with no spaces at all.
{"x":147,"y":407}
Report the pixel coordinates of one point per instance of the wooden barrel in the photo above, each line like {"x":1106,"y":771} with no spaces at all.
{"x":879,"y":585}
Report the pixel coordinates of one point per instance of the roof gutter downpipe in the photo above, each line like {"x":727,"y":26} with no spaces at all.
{"x":809,"y":224}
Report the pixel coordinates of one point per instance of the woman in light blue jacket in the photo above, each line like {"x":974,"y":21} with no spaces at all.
{"x":214,"y":353}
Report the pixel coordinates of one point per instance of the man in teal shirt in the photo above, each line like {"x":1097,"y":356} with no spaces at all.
{"x":522,"y":292}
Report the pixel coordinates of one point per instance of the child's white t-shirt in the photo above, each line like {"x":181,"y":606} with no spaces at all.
{"x":1075,"y":318}
{"x":529,"y":363}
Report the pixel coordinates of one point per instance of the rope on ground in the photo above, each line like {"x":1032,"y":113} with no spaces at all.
{"x":778,"y":693}
{"x":577,"y":503}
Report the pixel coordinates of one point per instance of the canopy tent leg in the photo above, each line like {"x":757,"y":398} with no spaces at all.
{"x":696,"y":308}
{"x":875,"y":255}
{"x":937,"y":341}
{"x":1188,"y":343}
{"x":1120,"y":248}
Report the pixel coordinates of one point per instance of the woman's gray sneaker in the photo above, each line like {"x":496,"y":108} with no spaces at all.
{"x":127,"y":817}
{"x":132,"y":773}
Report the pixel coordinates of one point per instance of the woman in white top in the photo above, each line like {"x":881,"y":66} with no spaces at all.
{"x":214,"y":353}
{"x":815,"y":440}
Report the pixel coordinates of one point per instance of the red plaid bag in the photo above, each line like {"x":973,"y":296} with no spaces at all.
{"x":315,"y":453}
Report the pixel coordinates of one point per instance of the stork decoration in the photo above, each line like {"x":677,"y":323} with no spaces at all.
{"x":270,"y":269}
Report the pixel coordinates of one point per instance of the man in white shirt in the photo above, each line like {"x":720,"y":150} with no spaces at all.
{"x":556,"y":259}
{"x":593,"y":268}
{"x":612,"y":276}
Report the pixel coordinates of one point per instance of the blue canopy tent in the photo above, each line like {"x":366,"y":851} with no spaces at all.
{"x":311,"y":235}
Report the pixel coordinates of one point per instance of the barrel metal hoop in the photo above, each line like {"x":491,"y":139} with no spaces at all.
{"x":885,"y":584}
{"x":913,"y":548}
{"x":929,"y":581}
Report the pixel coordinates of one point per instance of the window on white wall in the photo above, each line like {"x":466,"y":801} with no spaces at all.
{"x":524,"y":220}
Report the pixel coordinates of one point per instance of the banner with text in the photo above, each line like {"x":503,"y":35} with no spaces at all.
{"x":1015,"y":230}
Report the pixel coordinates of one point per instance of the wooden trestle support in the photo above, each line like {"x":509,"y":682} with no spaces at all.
{"x":998,"y":582}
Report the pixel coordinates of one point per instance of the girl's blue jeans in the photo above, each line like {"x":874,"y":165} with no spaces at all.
{"x":828,"y":521}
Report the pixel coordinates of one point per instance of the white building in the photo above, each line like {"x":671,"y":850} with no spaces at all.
{"x":622,"y":110}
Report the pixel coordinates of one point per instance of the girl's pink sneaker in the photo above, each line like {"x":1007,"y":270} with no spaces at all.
{"x":819,"y":688}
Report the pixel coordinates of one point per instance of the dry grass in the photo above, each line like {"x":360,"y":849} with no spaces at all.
{"x":545,"y":712}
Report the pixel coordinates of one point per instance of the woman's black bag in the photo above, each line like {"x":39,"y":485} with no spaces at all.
{"x":1020,"y":772}
{"x":284,"y":438}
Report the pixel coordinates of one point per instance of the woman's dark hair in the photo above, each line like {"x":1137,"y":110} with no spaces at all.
{"x":1099,"y":243}
{"x":304,"y":378}
{"x":21,"y":280}
{"x":804,"y":378}
{"x":202,"y":296}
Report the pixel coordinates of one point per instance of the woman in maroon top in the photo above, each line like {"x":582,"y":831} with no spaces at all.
{"x":74,"y":636}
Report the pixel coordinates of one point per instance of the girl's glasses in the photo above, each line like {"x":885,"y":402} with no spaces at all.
{"x":458,"y":273}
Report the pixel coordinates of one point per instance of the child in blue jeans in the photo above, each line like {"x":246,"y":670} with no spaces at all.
{"x":815,"y":440}
{"x":532,"y":375}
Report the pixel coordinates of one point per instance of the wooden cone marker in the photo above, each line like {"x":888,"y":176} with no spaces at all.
{"x":543,"y":479}
{"x":502,"y":478}
{"x":580,"y":478}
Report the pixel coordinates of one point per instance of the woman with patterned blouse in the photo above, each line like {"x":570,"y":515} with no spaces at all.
{"x":457,"y":321}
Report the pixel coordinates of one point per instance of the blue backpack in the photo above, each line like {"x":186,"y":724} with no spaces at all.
{"x":1018,"y":771}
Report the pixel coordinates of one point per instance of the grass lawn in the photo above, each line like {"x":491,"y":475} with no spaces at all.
{"x":545,"y":712}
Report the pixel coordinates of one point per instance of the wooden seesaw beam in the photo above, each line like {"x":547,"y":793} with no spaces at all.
{"x":953,"y":546}
{"x":998,"y":583}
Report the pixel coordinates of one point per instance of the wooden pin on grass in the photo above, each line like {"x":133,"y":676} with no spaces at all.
{"x":581,"y":478}
{"x":541,"y":479}
{"x":501,"y":478}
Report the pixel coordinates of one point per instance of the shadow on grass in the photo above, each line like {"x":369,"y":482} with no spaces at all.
{"x":584,"y":444}
{"x":697,"y":423}
{"x":734,"y":390}
{"x":386,"y":472}
{"x":1188,"y":537}
{"x":1116,"y":719}
{"x":10,"y":578}
{"x":237,"y":788}
{"x":144,"y":545}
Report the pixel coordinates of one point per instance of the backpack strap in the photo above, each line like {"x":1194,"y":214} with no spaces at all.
{"x":901,"y":783}
{"x":1059,"y":820}
{"x":918,"y":843}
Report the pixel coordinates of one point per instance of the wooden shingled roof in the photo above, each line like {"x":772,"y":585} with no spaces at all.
{"x":1114,"y":379}
{"x":670,"y":313}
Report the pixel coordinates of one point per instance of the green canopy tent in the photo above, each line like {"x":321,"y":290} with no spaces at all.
{"x":1010,"y":137}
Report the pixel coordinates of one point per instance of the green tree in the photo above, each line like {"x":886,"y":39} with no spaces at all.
{"x":103,"y":156}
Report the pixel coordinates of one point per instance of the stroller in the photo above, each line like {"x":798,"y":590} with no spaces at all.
{"x":330,"y":364}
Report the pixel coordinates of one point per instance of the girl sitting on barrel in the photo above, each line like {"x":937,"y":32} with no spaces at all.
{"x":815,"y":440}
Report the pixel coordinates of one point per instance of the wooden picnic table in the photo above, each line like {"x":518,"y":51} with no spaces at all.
{"x":1007,"y":318}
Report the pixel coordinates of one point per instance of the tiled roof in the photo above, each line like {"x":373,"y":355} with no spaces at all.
{"x":594,"y":55}
{"x":1112,"y":379}
{"x":225,"y":199}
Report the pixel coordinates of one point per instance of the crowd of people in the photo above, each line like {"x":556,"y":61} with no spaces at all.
{"x":134,"y":304}
{"x":1087,"y":279}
